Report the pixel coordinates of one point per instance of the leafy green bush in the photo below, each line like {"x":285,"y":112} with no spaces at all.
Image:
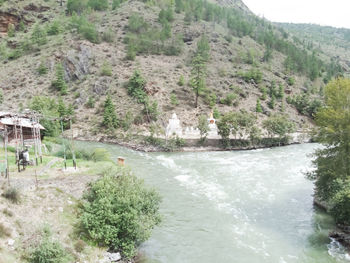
{"x":106,"y":69}
{"x":119,"y":212}
{"x":253,"y":74}
{"x":173,"y":99}
{"x":305,"y":104}
{"x":90,"y":103}
{"x":229,"y":99}
{"x":278,"y":125}
{"x":98,"y":5}
{"x":54,"y":28}
{"x":290,"y":81}
{"x":341,"y":205}
{"x":85,"y":28}
{"x":11,"y":30}
{"x":150,"y":110}
{"x":76,"y":6}
{"x":181,"y":81}
{"x":42,"y":69}
{"x":116,"y":4}
{"x":49,"y":251}
{"x":136,"y":87}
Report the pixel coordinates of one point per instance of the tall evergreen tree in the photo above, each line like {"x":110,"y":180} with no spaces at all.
{"x":198,"y":75}
{"x":110,"y":119}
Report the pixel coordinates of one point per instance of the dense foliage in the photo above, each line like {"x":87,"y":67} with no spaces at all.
{"x":119,"y":212}
{"x":52,"y":109}
{"x":110,"y":120}
{"x":49,"y":251}
{"x":332,"y":174}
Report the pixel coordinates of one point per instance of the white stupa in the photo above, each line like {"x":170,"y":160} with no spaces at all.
{"x":174,"y":126}
{"x":213,"y":129}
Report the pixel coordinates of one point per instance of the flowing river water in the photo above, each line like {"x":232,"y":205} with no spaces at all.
{"x":240,"y":207}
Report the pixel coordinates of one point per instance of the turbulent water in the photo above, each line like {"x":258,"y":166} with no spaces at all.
{"x":244,"y":206}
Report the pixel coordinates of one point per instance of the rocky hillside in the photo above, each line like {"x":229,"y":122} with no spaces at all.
{"x":249,"y":60}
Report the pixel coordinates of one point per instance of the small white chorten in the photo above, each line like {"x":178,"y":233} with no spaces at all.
{"x":174,"y":126}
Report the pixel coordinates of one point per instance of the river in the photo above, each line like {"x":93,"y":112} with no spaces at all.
{"x":240,"y":207}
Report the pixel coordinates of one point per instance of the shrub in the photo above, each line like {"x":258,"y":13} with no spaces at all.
{"x":77,"y":6}
{"x":116,"y":4}
{"x":229,"y":99}
{"x":291,"y":81}
{"x":127,"y":121}
{"x":13,"y":195}
{"x":136,"y":87}
{"x":106,"y":69}
{"x":108,"y":36}
{"x":42,"y":69}
{"x":90,"y":103}
{"x":11,"y":30}
{"x":181,"y":81}
{"x":100,"y":155}
{"x":119,"y":212}
{"x":173,"y":99}
{"x":150,"y":110}
{"x":54,"y":28}
{"x":253,"y":74}
{"x":39,"y":36}
{"x":98,"y":5}
{"x":49,"y":251}
{"x":89,"y":32}
{"x":60,"y":84}
{"x":341,"y":206}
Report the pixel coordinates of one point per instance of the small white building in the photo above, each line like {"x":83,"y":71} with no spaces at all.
{"x":174,"y":127}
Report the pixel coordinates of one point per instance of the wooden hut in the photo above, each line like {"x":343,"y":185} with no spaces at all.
{"x":25,"y":126}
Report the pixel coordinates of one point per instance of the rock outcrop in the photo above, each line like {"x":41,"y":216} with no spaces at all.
{"x":77,"y":63}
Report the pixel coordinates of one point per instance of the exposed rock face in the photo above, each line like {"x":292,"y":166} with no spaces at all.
{"x":33,"y":7}
{"x":234,"y":3}
{"x":6,"y":19}
{"x":102,"y":85}
{"x":77,"y":64}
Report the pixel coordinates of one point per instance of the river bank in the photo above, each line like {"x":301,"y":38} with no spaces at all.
{"x":342,"y":232}
{"x":159,"y":144}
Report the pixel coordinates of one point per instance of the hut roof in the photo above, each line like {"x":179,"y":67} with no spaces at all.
{"x":24,"y":122}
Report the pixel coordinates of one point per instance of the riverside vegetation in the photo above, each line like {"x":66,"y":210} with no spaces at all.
{"x":213,"y":58}
{"x":332,"y":174}
{"x":116,"y":212}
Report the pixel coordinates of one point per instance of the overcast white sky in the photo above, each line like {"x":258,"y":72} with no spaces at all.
{"x":323,"y":12}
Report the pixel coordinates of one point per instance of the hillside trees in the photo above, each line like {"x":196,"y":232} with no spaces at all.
{"x":60,"y":84}
{"x":332,"y":174}
{"x":198,"y":75}
{"x":278,"y":125}
{"x":110,"y":120}
{"x":199,"y":70}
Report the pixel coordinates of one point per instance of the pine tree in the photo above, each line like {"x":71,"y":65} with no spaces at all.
{"x":39,"y":36}
{"x":258,"y":106}
{"x":198,"y":75}
{"x":272,"y":102}
{"x":60,"y":84}
{"x":110,"y":119}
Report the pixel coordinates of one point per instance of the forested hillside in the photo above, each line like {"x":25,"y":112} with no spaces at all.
{"x":121,"y":68}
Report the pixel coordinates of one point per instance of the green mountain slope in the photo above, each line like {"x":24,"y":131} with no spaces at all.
{"x":99,"y":50}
